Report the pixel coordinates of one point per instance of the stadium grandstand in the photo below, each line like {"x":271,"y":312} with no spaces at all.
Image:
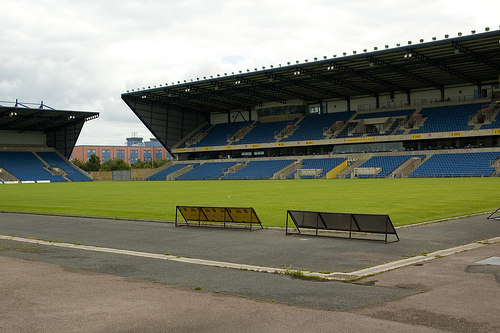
{"x":424,"y":109}
{"x":36,"y":142}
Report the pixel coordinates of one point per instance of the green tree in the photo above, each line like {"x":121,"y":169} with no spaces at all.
{"x":147,"y":164}
{"x":114,"y":164}
{"x":94,"y":163}
{"x":80,"y":164}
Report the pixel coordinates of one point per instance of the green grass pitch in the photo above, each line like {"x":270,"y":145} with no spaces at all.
{"x":407,"y":201}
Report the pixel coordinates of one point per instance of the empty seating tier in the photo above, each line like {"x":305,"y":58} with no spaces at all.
{"x":457,"y":165}
{"x":325,"y":164}
{"x":259,"y":169}
{"x":56,"y":161}
{"x":25,"y":166}
{"x":447,"y":118}
{"x":207,"y":171}
{"x":387,"y":164}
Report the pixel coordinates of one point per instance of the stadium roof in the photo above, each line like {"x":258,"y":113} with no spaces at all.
{"x":170,"y":111}
{"x":61,"y":127}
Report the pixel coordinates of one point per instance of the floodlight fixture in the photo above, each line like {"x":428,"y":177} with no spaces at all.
{"x":398,"y":45}
{"x":263,"y":67}
{"x":375,"y":48}
{"x":487,"y":29}
{"x":13,"y":114}
{"x":459,"y":34}
{"x":71,"y":117}
{"x":345,"y":53}
{"x":353,"y":52}
{"x":473,"y":32}
{"x":225,"y":74}
{"x":409,"y":42}
{"x":306,"y":60}
{"x":386,"y":47}
{"x":434,"y":38}
{"x":288,"y":63}
{"x":324,"y":57}
{"x":446,"y":36}
{"x":364,"y":50}
{"x":421,"y":40}
{"x":296,"y":61}
{"x":331,"y":67}
{"x":149,"y":87}
{"x":335,"y":56}
{"x":271,"y":66}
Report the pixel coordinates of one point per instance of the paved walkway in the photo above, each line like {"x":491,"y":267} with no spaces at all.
{"x":130,"y":293}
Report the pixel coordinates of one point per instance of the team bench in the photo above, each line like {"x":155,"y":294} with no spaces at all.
{"x":358,"y":223}
{"x":223,"y":215}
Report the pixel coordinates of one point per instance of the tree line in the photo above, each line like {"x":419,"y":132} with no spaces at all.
{"x":113,"y":164}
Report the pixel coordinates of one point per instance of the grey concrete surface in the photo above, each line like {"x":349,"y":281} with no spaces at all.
{"x":49,"y":289}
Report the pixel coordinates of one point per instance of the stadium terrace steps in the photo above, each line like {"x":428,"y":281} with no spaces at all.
{"x":219,"y":134}
{"x":323,"y":164}
{"x":263,"y":132}
{"x":259,"y":169}
{"x":70,"y":171}
{"x":207,"y":171}
{"x":458,"y":165}
{"x":386,"y":164}
{"x":27,"y":167}
{"x":171,"y":171}
{"x":447,"y":118}
{"x":347,"y":124}
{"x":314,"y":127}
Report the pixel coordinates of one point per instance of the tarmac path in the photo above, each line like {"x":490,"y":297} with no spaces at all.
{"x":54,"y":288}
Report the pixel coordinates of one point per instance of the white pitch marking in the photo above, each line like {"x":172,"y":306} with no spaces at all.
{"x":212,"y":263}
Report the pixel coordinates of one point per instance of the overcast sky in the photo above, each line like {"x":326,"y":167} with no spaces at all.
{"x":82,"y":55}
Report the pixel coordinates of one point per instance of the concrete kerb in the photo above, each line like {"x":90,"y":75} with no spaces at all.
{"x":336,"y":276}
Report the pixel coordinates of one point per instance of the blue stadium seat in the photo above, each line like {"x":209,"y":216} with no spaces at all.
{"x":207,"y":171}
{"x":25,"y":166}
{"x":326,"y":164}
{"x":457,"y":165}
{"x":312,"y":127}
{"x":263,"y":133}
{"x":259,"y":169}
{"x":448,"y":118}
{"x":55,"y":160}
{"x":219,"y":134}
{"x":387,"y":163}
{"x":162,"y":175}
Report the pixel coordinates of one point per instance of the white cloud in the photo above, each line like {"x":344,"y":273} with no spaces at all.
{"x":83,"y":54}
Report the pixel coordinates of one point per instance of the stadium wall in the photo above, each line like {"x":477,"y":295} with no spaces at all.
{"x":24,"y":138}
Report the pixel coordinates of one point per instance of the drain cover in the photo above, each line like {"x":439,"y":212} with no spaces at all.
{"x":490,"y":261}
